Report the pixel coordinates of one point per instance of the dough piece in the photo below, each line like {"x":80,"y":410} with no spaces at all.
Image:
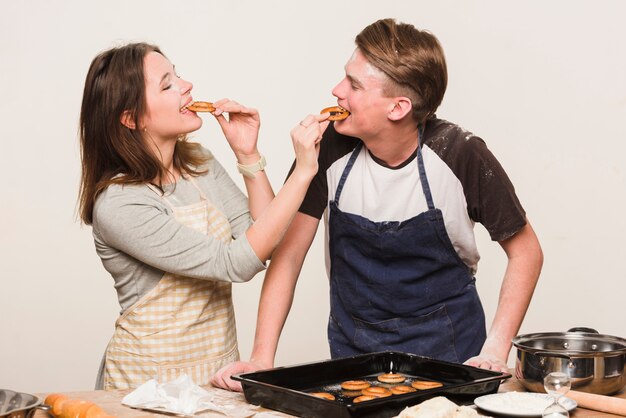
{"x":438,"y":407}
{"x":466,"y":412}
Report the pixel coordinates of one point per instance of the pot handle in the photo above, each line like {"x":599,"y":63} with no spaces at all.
{"x":583,"y":329}
{"x":44,"y":407}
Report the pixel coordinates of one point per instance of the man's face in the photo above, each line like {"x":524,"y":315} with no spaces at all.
{"x":361,"y":92}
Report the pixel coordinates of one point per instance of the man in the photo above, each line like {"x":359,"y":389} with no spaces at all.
{"x":400,"y":191}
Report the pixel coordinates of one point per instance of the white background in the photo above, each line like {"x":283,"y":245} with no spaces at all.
{"x":543,"y":82}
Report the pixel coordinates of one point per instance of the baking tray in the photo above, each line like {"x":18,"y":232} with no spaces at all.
{"x":287,"y":389}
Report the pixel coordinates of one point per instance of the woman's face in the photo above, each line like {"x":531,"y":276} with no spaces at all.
{"x":166,"y":96}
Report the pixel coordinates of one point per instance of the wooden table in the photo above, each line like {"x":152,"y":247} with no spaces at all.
{"x":111,"y":403}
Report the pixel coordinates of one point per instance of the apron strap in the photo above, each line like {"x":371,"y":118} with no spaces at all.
{"x":346,"y":171}
{"x":420,"y":166}
{"x":422,"y":171}
{"x":169,"y":202}
{"x":192,"y":181}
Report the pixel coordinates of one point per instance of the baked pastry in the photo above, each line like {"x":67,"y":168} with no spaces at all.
{"x":377,"y":391}
{"x":200,"y":107}
{"x":355,"y":385}
{"x":402,"y":389}
{"x":364,"y":398}
{"x":391,"y":378}
{"x":323,"y":395}
{"x":351,"y":393}
{"x":336,"y":112}
{"x":425,"y":384}
{"x":63,"y":407}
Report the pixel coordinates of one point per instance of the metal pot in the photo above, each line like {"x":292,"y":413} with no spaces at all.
{"x":595,"y":363}
{"x":19,"y":405}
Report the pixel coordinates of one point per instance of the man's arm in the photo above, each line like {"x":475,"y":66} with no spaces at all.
{"x":525,"y":260}
{"x":276,"y":299}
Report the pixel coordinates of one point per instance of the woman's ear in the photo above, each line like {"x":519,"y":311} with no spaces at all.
{"x":402,"y":106}
{"x":127,"y":119}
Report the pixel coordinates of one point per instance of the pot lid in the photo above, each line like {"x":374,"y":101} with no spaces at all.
{"x":572,"y":343}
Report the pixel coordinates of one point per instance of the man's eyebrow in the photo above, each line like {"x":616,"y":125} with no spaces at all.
{"x":353,"y":80}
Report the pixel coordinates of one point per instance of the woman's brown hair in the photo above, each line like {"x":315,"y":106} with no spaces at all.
{"x":413,"y":59}
{"x":112,"y":153}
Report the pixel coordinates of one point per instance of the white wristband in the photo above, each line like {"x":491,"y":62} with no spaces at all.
{"x":250,"y":170}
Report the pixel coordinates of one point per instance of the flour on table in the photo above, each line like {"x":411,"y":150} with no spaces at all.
{"x":520,"y":403}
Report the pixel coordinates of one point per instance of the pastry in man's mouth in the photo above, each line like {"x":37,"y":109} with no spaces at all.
{"x":336,"y":112}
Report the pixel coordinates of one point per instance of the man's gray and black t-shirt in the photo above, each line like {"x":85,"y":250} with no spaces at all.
{"x":467,"y":183}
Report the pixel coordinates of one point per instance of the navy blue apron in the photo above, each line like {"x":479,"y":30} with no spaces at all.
{"x":400,"y":285}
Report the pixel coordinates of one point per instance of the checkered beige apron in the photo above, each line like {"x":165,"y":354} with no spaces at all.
{"x":183,"y":325}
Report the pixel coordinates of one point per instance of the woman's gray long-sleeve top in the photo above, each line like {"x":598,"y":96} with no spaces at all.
{"x":138,"y":239}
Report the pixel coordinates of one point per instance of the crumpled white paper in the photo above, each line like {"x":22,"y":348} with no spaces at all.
{"x":181,"y":396}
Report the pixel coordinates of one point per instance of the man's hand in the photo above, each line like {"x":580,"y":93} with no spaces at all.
{"x":222,"y":379}
{"x":489,"y":362}
{"x":525,"y":260}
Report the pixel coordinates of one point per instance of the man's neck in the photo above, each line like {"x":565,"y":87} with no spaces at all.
{"x":393,"y":146}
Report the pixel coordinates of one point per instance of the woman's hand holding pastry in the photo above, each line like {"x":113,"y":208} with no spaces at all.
{"x":306,"y":136}
{"x":241,"y":129}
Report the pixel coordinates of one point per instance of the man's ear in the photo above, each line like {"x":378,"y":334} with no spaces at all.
{"x":402,"y":106}
{"x":127,"y":119}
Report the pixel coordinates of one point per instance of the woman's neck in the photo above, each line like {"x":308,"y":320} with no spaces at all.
{"x":164,"y":152}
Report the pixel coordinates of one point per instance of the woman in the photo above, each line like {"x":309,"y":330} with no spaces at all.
{"x":168,"y":223}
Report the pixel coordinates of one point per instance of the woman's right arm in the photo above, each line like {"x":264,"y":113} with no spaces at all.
{"x":272,"y":214}
{"x":133,"y":220}
{"x":267,"y":231}
{"x":275,"y":302}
